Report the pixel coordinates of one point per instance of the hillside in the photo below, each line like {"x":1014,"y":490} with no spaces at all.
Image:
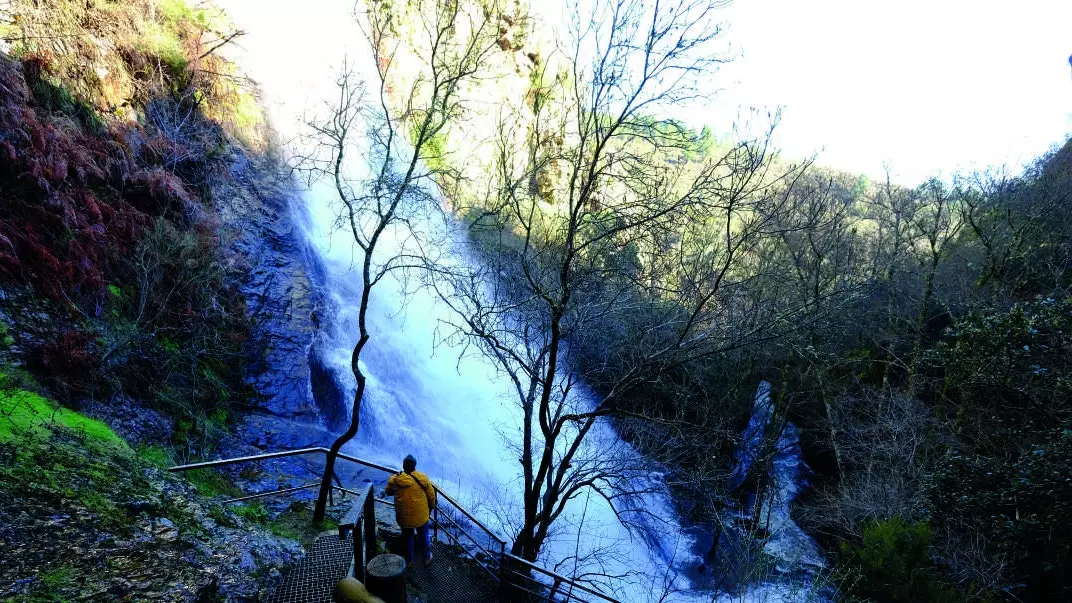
{"x":126,"y":341}
{"x":914,"y":334}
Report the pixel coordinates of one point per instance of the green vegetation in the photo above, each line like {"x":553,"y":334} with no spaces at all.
{"x":59,"y":577}
{"x":71,"y":485}
{"x":893,"y":564}
{"x":27,"y":416}
{"x":213,"y":484}
{"x":295,"y":522}
{"x":119,"y":142}
{"x":60,"y":457}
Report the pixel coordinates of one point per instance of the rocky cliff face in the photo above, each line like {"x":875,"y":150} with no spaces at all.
{"x":269,"y":260}
{"x":297,"y":396}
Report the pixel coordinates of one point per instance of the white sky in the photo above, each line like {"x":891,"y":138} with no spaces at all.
{"x":929,"y":86}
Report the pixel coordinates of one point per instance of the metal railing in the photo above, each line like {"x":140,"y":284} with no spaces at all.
{"x":361,"y":520}
{"x":518,"y":579}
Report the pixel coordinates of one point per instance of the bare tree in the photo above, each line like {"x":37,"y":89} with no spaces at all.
{"x":563,"y":264}
{"x":937,"y":222}
{"x":457,"y":40}
{"x":887,"y":441}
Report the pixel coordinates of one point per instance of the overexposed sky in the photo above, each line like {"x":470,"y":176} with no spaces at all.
{"x":929,"y":86}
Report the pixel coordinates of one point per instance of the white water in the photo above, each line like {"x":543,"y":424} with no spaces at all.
{"x":456,"y":415}
{"x":787,"y":542}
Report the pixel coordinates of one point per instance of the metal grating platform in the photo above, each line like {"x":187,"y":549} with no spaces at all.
{"x":451,"y":579}
{"x":313,"y":579}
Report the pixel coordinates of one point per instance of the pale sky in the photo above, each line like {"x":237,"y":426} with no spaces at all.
{"x":929,"y":86}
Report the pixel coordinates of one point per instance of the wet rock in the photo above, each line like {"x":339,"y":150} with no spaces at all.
{"x":275,"y":272}
{"x":137,"y":424}
{"x":330,"y":397}
{"x":139,"y":506}
{"x":165,"y":529}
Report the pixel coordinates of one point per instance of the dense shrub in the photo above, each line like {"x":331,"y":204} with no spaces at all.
{"x":60,"y":188}
{"x":1008,"y":391}
{"x":892,"y":563}
{"x":107,"y":143}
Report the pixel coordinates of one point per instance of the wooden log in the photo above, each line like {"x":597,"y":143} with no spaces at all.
{"x":385,"y":577}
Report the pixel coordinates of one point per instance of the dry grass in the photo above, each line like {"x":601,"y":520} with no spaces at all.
{"x":118,"y":56}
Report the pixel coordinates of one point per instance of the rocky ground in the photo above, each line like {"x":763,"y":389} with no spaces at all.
{"x":86,"y":516}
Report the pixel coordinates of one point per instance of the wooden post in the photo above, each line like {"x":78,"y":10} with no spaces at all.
{"x":386,"y":578}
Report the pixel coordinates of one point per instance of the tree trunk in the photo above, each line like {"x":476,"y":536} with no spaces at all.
{"x":333,"y":453}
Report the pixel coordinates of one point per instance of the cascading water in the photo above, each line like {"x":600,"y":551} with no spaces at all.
{"x":768,"y":475}
{"x":454,"y":412}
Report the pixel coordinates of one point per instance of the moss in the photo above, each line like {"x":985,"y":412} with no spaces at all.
{"x":294,"y":523}
{"x":159,"y":41}
{"x":25,"y":414}
{"x":158,"y":456}
{"x":254,"y":512}
{"x":53,"y":97}
{"x":222,"y":517}
{"x":59,"y":577}
{"x":233,"y":105}
{"x":6,"y":340}
{"x":108,"y":514}
{"x":178,"y":11}
{"x":211,"y":484}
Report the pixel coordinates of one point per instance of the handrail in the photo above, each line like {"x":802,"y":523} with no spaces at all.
{"x":247,"y":459}
{"x":439,"y":492}
{"x":556,"y":576}
{"x":271,"y":493}
{"x":363,"y":519}
{"x":366,"y":496}
{"x":321,"y":449}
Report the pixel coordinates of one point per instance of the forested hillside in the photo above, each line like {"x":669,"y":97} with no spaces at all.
{"x":917,"y":334}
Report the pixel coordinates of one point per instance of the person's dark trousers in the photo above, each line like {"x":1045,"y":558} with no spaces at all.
{"x":425,"y":536}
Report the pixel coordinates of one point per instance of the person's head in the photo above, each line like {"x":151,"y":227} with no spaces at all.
{"x":409,"y":463}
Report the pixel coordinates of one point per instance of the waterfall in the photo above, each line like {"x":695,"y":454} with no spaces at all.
{"x":454,"y":411}
{"x":759,"y":532}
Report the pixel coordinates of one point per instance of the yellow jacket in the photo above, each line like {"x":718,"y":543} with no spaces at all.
{"x":415,"y":496}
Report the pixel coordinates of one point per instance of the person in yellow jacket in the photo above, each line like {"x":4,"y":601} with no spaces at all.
{"x":415,"y":497}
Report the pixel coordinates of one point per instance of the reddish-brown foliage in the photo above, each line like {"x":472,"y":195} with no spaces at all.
{"x":69,"y":362}
{"x":72,"y":203}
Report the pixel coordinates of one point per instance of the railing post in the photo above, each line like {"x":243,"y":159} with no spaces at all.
{"x":359,"y":563}
{"x":502,"y":571}
{"x":369,"y":517}
{"x":435,"y":524}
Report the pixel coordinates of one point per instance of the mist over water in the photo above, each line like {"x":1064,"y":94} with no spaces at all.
{"x":454,"y":411}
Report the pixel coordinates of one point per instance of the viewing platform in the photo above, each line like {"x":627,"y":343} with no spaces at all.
{"x":471,"y":563}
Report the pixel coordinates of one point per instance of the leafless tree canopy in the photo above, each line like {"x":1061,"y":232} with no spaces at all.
{"x":664,"y":254}
{"x":378,"y":205}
